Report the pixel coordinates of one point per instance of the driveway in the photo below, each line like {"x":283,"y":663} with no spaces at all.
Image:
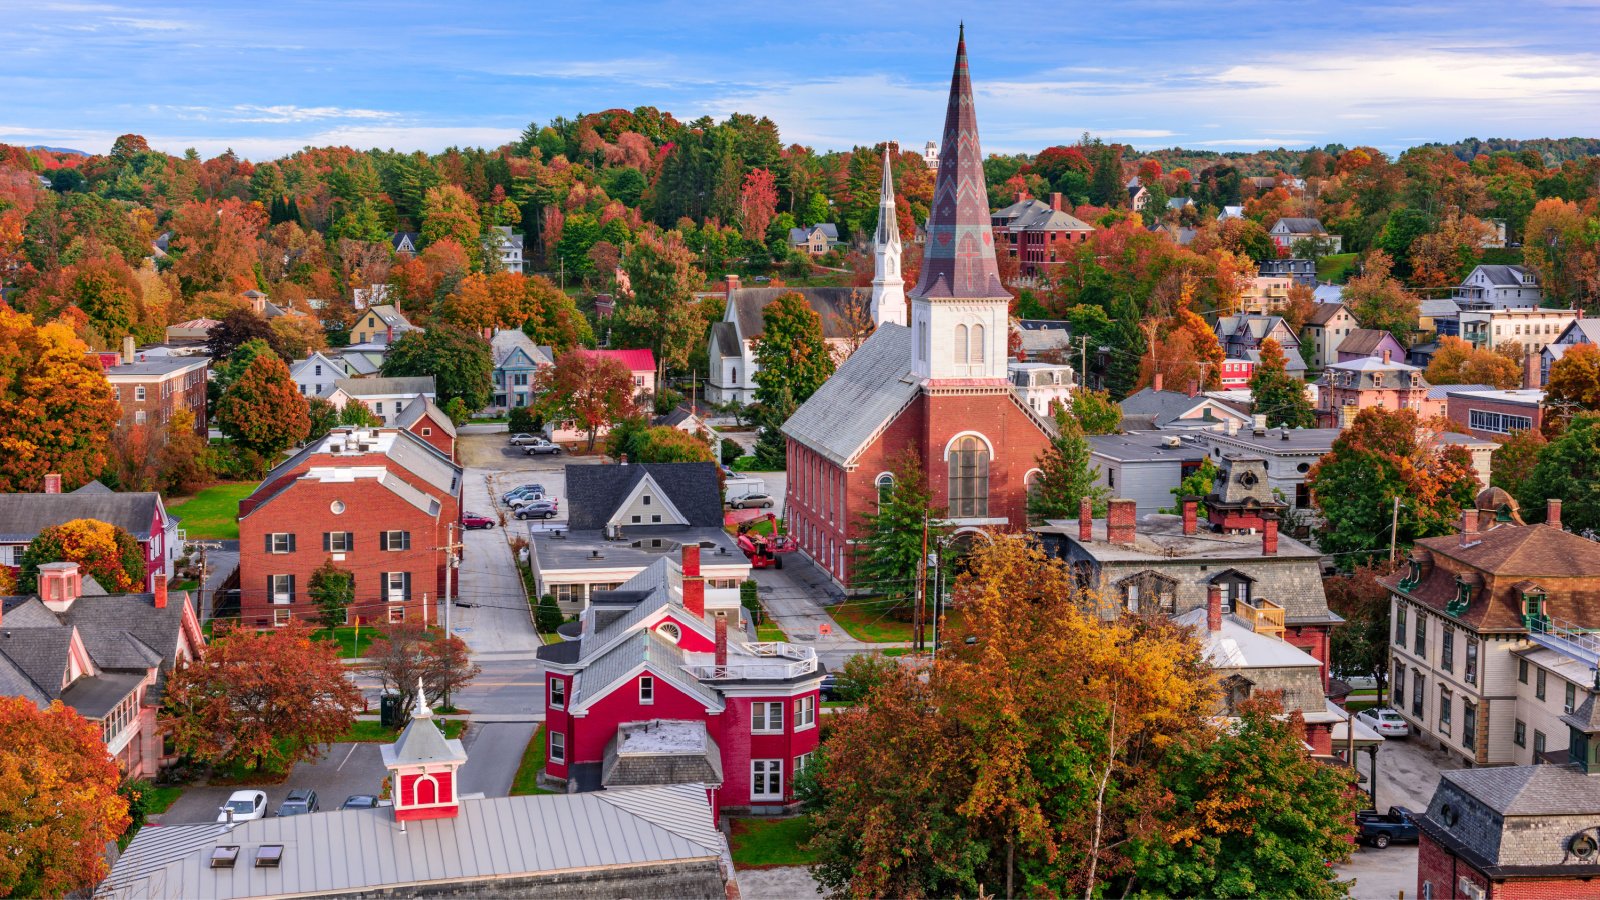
{"x":1381,"y":874}
{"x":344,"y":770}
{"x":494,"y":751}
{"x":1408,"y":772}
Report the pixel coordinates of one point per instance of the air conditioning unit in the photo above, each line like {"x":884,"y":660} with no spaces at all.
{"x":1469,"y":889}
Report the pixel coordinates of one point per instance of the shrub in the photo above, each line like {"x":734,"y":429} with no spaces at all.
{"x":547,"y":616}
{"x":523,"y":420}
{"x":667,"y":400}
{"x":731,"y":450}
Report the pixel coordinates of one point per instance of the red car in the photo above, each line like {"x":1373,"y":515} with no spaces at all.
{"x":473,"y":520}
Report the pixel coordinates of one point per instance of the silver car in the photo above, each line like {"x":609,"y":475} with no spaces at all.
{"x":1385,"y":721}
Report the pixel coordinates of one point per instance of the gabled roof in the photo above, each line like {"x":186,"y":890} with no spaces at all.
{"x":1300,"y":225}
{"x":1437,"y":308}
{"x":1165,"y":407}
{"x":1032,"y":214}
{"x":23,"y":516}
{"x":640,"y":650}
{"x":508,"y":342}
{"x":636,"y":360}
{"x":1366,"y":341}
{"x":1538,"y":790}
{"x":336,"y":365}
{"x":404,"y":239}
{"x":596,"y":493}
{"x":386,"y":387}
{"x":390,"y":315}
{"x":803,"y":234}
{"x":424,"y":406}
{"x":1502,"y":276}
{"x":1323,"y":313}
{"x":861,"y":397}
{"x":726,"y":335}
{"x":1588,"y":328}
{"x":750,"y":303}
{"x":40,"y":654}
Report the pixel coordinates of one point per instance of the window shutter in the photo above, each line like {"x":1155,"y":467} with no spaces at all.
{"x":268,"y":545}
{"x":383,"y":540}
{"x":405,"y":541}
{"x":327,"y":541}
{"x":349,"y":541}
{"x":406,"y":577}
{"x":291,"y":588}
{"x":291,"y":542}
{"x":271,"y":597}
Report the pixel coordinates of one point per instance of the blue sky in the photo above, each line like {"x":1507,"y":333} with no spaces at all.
{"x":268,"y":78}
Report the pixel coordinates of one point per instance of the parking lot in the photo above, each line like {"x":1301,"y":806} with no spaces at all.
{"x":346,"y":769}
{"x":1408,"y":772}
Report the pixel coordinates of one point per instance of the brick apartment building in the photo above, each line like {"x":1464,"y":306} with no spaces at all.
{"x":380,"y":503}
{"x":1037,"y":234}
{"x":152,"y":388}
{"x":1495,"y":414}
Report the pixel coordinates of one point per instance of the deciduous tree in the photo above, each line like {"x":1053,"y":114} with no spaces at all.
{"x":791,"y":351}
{"x":1458,"y":362}
{"x":1096,"y":412}
{"x":657,"y":310}
{"x":1380,"y":301}
{"x":642,"y":442}
{"x":448,"y":213}
{"x":409,"y":652}
{"x":1569,"y":470}
{"x":101,"y":549}
{"x":234,"y":330}
{"x":267,"y":698}
{"x":1574,"y":383}
{"x":460,"y":361}
{"x":59,"y":806}
{"x":263,"y":411}
{"x":1359,"y":646}
{"x":1514,"y":459}
{"x":1276,"y":394}
{"x":56,"y":408}
{"x":889,"y":553}
{"x":332,"y":589}
{"x":592,"y":390}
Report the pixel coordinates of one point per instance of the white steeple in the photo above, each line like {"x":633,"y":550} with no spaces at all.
{"x":888,"y":288}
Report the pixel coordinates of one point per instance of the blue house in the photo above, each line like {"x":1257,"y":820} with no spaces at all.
{"x":516,"y":360}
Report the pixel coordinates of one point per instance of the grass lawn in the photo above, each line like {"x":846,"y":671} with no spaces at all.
{"x":366,"y":731}
{"x":1336,"y":267}
{"x":213,"y":513}
{"x":551,"y":637}
{"x":527,"y":780}
{"x":160,"y":799}
{"x":869,"y":620}
{"x":744,"y":464}
{"x":762,"y":842}
{"x":1356,"y":706}
{"x":770,"y":632}
{"x":347,"y":637}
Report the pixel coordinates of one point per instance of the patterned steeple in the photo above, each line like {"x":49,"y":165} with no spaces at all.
{"x":958,"y":260}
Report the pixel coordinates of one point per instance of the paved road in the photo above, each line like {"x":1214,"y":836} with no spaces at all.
{"x":1381,"y":874}
{"x":495,"y":618}
{"x":346,"y":769}
{"x":494,"y":751}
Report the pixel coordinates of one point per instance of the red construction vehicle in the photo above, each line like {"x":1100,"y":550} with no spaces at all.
{"x":765,"y":551}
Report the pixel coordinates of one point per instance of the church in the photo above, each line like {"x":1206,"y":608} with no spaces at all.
{"x":937,"y":384}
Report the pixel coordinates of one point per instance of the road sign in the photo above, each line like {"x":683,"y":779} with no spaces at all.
{"x":824,"y":629}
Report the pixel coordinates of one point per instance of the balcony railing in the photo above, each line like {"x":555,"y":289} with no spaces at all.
{"x":775,"y":660}
{"x":1263,"y":616}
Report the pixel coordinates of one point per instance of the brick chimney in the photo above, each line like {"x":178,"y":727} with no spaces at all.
{"x":1055,"y":200}
{"x":732,"y":285}
{"x":160,"y":589}
{"x":1194,"y":387}
{"x":1469,"y":528}
{"x":722,"y":641}
{"x":52,"y":484}
{"x":127,"y":349}
{"x":1214,"y":607}
{"x":1191,"y":515}
{"x":1386,"y":355}
{"x":694,"y":586}
{"x":1120,"y":521}
{"x":1269,"y":534}
{"x":1552,"y":512}
{"x":1021,"y":196}
{"x":1085,"y":520}
{"x":1156,"y":383}
{"x":1531,"y":374}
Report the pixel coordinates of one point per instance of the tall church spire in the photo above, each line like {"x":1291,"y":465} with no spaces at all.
{"x":888,"y":288}
{"x":959,"y":308}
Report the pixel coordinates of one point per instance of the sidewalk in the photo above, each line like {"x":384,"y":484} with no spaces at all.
{"x":793,"y":599}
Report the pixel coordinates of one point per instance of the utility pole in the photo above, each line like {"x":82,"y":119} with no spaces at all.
{"x":450,"y":562}
{"x":1083,"y":362}
{"x":921,"y":587}
{"x":1394,"y":526}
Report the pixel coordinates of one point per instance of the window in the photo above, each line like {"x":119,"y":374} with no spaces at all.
{"x":281,"y":588}
{"x":647,"y":689}
{"x":139,"y":417}
{"x":1469,"y":724}
{"x":1498,"y":423}
{"x":394,"y":540}
{"x":378,"y":407}
{"x":1421,"y":647}
{"x":977,"y":343}
{"x":1447,"y":650}
{"x":1519,"y":735}
{"x":1522,"y":671}
{"x":766,"y":779}
{"x":426,"y":431}
{"x":885,"y":484}
{"x":1472,"y":661}
{"x":1235,"y":587}
{"x":1538,"y":744}
{"x":670,"y":631}
{"x":805,"y":713}
{"x":1416,"y":693}
{"x":280,"y":617}
{"x":396,"y":586}
{"x":558,"y":693}
{"x":280,"y":542}
{"x":1398,"y":692}
{"x":397,"y":615}
{"x":558,"y":747}
{"x":1571,"y":702}
{"x":1444,"y":710}
{"x":139,"y":393}
{"x":336,"y":541}
{"x":318,"y":368}
{"x":1538,"y":685}
{"x":800,"y":763}
{"x":766,"y":718}
{"x":969,"y":477}
{"x":960,"y":342}
{"x":1400,"y":626}
{"x":519,"y":379}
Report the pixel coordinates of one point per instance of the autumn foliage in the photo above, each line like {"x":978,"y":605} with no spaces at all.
{"x":263,"y":411}
{"x":56,"y":408}
{"x":591,"y":389}
{"x":1458,"y":362}
{"x":59,"y":805}
{"x":100,"y":549}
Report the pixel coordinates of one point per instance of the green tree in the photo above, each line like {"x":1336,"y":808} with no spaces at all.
{"x":888,"y":554}
{"x":659,"y":312}
{"x":1096,"y":412}
{"x":772,"y":448}
{"x":1106,"y":187}
{"x":1514,"y":459}
{"x":1066,"y":476}
{"x":263,"y":411}
{"x":1198,"y":483}
{"x":332,"y":589}
{"x":1378,"y":300}
{"x":225,"y":373}
{"x":460,"y":361}
{"x":1399,"y":232}
{"x":791,"y":352}
{"x":547,"y":614}
{"x":449,"y":214}
{"x":1568,"y":470}
{"x":1276,"y":394}
{"x":1359,"y":646}
{"x":645,"y":443}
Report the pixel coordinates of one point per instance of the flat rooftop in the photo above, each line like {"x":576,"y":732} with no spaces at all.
{"x":637,"y":549}
{"x":1279,"y":440}
{"x":1160,"y":537}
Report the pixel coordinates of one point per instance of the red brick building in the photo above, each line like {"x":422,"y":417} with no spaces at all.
{"x":379,"y":503}
{"x":423,"y":418}
{"x":1037,"y":234}
{"x":153,"y":388}
{"x":938,"y":388}
{"x":1495,"y":414}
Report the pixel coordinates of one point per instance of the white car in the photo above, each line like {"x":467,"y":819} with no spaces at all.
{"x":521,"y":438}
{"x":1386,"y":722}
{"x":245,"y":805}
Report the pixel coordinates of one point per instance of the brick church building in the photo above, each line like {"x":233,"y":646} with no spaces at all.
{"x":938,"y":387}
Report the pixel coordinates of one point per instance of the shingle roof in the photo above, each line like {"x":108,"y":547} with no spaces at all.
{"x":507,"y":341}
{"x":595,"y":492}
{"x":1511,"y":553}
{"x":1365,"y":341}
{"x":1529,"y":790}
{"x":640,"y":647}
{"x":1323,"y":313}
{"x":383,"y":387}
{"x":827,"y":302}
{"x":1301,"y":225}
{"x":23,"y":516}
{"x":1036,"y":215}
{"x":861,"y":397}
{"x":420,"y":406}
{"x":1506,"y":276}
{"x":1163,"y":406}
{"x":727,"y":338}
{"x":40,"y":654}
{"x":14,"y":682}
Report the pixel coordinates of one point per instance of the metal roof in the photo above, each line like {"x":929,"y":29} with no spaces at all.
{"x":386,"y":387}
{"x":863,"y":395}
{"x":641,"y":648}
{"x":355,"y":850}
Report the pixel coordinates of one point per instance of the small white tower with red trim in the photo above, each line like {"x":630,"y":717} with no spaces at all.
{"x":422,"y":768}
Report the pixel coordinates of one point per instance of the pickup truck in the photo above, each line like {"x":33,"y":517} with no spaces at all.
{"x":1397,"y":826}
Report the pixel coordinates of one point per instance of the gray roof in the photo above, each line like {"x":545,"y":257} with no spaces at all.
{"x":408,"y":450}
{"x":157,"y":366}
{"x":1301,"y":225}
{"x":1043,"y":335}
{"x":95,"y":696}
{"x":420,"y":406}
{"x":726,"y":334}
{"x":595,"y":492}
{"x":1036,"y":215}
{"x":356,"y":850}
{"x":862,"y":396}
{"x":422,"y":742}
{"x":23,"y":516}
{"x":107,"y":622}
{"x":1162,"y":407}
{"x":640,"y":648}
{"x":1586,"y":717}
{"x":1507,"y":276}
{"x":383,"y":387}
{"x":641,"y":547}
{"x":390,"y":315}
{"x":828,"y":302}
{"x":661,"y":752}
{"x":1143,"y":446}
{"x":1437,"y":308}
{"x":40,"y":654}
{"x":801,"y":235}
{"x":1539,"y":790}
{"x":507,"y":341}
{"x":1292,"y":361}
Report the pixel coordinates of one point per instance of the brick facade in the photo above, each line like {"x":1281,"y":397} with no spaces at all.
{"x":151,"y":397}
{"x":1496,"y":415}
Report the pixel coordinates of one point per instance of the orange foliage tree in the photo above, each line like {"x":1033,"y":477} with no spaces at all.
{"x":59,"y":805}
{"x":262,"y":410}
{"x":1459,"y":362}
{"x":56,"y":407}
{"x":101,"y":549}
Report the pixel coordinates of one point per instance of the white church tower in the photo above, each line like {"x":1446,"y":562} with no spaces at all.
{"x":888,"y":289}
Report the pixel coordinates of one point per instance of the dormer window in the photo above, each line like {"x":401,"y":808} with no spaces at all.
{"x":1533,"y":607}
{"x":1463,"y":598}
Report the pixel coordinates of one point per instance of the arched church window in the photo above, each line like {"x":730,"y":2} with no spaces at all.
{"x":961,"y":343}
{"x":977,"y":343}
{"x":969,"y":477}
{"x":885,"y":485}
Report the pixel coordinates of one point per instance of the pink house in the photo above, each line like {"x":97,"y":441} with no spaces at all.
{"x":642,"y":363}
{"x":140,"y":513}
{"x":1364,"y":342}
{"x":654,"y":690}
{"x":1347,"y":388}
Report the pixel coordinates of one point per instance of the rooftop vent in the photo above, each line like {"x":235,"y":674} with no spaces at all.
{"x":268,"y":856}
{"x":224,"y":856}
{"x":596,"y":554}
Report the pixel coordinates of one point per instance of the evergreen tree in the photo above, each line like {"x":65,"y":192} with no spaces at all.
{"x":772,"y":451}
{"x":889,"y":553}
{"x":1127,"y":345}
{"x":1065,"y":477}
{"x":1276,"y":394}
{"x":332,"y":589}
{"x":1106,"y":187}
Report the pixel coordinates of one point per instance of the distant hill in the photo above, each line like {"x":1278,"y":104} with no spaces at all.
{"x":58,"y":150}
{"x":1554,"y":150}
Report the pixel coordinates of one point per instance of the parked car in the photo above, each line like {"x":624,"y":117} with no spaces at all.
{"x":537,"y":509}
{"x":764,"y":501}
{"x":521,"y":438}
{"x":1385,"y":721}
{"x":359,"y":801}
{"x":299,"y":802}
{"x":244,"y":805}
{"x":526,"y":499}
{"x":728,"y":472}
{"x":539,"y":446}
{"x":526,"y":490}
{"x":1397,"y":826}
{"x":830,"y":687}
{"x":475,"y":520}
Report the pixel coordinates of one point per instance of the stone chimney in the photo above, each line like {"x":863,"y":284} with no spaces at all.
{"x":1121,"y":520}
{"x":60,"y":583}
{"x":732,"y":285}
{"x":722,"y":641}
{"x":1156,"y":383}
{"x":1469,"y":528}
{"x":1085,"y":520}
{"x":1214,"y":607}
{"x":127,"y":349}
{"x":1269,"y":534}
{"x":1055,"y":200}
{"x":52,"y":483}
{"x":622,"y":460}
{"x":160,"y":589}
{"x":694,"y":585}
{"x":1191,"y":515}
{"x":1552,"y":512}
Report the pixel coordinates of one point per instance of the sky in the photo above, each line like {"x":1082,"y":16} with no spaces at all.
{"x":266,"y":79}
